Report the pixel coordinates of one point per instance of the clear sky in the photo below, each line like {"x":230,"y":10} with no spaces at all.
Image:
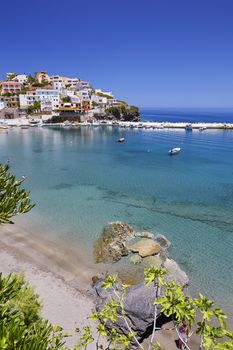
{"x":162,"y":53}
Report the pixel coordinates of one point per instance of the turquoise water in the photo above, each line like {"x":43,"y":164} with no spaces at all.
{"x":82,"y":178}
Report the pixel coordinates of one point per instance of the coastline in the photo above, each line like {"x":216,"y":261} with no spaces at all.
{"x":24,"y":122}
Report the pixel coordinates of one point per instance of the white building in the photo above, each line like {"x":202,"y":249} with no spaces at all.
{"x":98,"y":99}
{"x":60,"y":82}
{"x":2,"y":104}
{"x":42,"y":95}
{"x":21,"y":78}
{"x":84,"y":95}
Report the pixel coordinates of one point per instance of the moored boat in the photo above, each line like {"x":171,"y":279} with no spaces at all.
{"x":121,"y":139}
{"x":174,"y":151}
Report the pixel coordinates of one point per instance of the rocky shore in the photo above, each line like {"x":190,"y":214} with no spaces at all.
{"x":119,"y":240}
{"x":68,"y":306}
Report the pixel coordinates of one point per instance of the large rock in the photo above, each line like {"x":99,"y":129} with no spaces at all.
{"x":112,"y":244}
{"x":154,"y":260}
{"x":162,"y":241}
{"x":138,"y":302}
{"x":146,"y":247}
{"x":175,"y":272}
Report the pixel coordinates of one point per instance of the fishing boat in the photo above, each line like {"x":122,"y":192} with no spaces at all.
{"x":174,"y":151}
{"x":202,"y":128}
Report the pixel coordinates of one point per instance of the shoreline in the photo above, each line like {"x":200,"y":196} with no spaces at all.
{"x":24,"y":122}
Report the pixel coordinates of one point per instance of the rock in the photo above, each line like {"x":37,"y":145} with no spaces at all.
{"x":135,"y":259}
{"x":112,"y":244}
{"x":145,"y":247}
{"x":162,"y":241}
{"x":175,"y":272}
{"x":152,"y":260}
{"x":117,"y":230}
{"x":144,"y":234}
{"x":138,"y":302}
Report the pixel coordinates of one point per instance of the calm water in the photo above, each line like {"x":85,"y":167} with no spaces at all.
{"x":82,"y":178}
{"x":189,"y":115}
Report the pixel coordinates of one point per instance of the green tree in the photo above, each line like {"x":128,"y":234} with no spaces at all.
{"x":14,"y":200}
{"x":66,"y":99}
{"x":36,"y":106}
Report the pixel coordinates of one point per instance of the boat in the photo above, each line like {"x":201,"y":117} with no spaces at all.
{"x":24,"y":126}
{"x":67,"y":123}
{"x":202,"y":128}
{"x":34,"y":122}
{"x":188,"y":127}
{"x":174,"y":151}
{"x":121,"y":139}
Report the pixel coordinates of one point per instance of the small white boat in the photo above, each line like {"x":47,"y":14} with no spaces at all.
{"x":174,"y":151}
{"x":202,"y":128}
{"x":67,"y":123}
{"x":121,"y":139}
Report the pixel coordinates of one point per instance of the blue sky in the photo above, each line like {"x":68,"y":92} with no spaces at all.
{"x":162,"y":53}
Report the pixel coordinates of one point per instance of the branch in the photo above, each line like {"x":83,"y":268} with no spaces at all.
{"x":125,"y":319}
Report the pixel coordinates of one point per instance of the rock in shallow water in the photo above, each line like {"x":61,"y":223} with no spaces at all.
{"x":145,"y":247}
{"x":112,"y":244}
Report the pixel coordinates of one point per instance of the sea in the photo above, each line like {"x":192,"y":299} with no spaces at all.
{"x":81,"y":179}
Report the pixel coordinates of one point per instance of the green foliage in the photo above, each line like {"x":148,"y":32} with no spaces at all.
{"x":115,"y":111}
{"x":24,"y":299}
{"x":11,"y":76}
{"x":100,"y":94}
{"x":14,"y":200}
{"x":31,"y":79}
{"x":22,"y":329}
{"x":66,"y":99}
{"x":94,"y":104}
{"x":36,"y":106}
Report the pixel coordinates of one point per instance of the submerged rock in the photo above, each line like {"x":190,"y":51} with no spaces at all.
{"x":146,"y":247}
{"x":112,"y":244}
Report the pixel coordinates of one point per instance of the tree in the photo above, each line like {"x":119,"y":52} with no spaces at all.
{"x":31,"y":79}
{"x":36,"y":106}
{"x":66,"y":99}
{"x":14,"y":200}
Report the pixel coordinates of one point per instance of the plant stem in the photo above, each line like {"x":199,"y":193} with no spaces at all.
{"x":125,"y":319}
{"x":155,"y":318}
{"x":178,"y":333}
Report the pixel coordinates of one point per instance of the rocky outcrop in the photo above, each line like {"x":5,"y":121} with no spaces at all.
{"x":112,"y":244}
{"x":139,"y":300}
